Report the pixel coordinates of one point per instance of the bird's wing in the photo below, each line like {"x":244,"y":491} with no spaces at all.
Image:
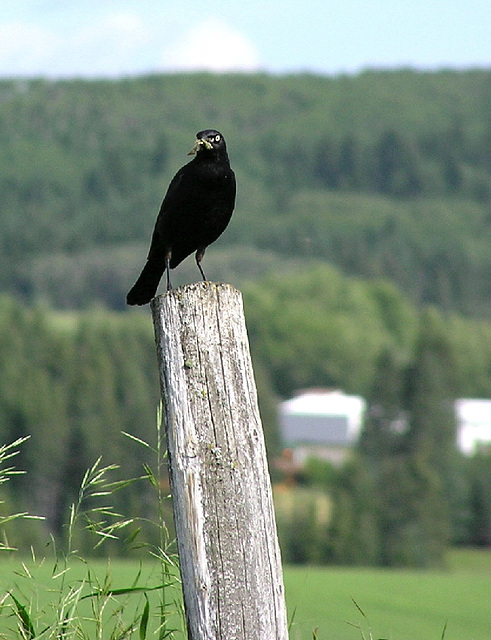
{"x":173,"y":203}
{"x":173,"y":194}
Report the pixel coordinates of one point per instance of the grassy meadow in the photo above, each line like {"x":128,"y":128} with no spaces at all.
{"x":396,"y":605}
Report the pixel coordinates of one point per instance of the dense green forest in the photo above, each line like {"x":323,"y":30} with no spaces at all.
{"x":363,"y":220}
{"x":76,"y":381}
{"x":383,"y":174}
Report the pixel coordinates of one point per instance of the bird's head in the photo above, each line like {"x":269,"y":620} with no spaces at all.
{"x":208,"y":140}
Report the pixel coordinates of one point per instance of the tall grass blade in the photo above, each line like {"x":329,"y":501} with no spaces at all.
{"x":444,"y":630}
{"x":144,"y":620}
{"x":292,"y":618}
{"x":124,"y":591}
{"x":24,"y":619}
{"x":138,"y":440}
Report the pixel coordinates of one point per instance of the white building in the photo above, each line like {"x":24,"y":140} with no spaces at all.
{"x":326,"y":423}
{"x":474,"y":424}
{"x":321,"y":422}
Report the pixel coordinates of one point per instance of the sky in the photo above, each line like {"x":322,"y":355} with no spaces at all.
{"x":114,"y":38}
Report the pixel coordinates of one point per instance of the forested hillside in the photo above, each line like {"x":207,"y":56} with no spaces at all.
{"x":383,"y":174}
{"x":362,"y":244}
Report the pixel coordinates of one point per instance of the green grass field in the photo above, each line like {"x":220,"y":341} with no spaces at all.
{"x":398,"y":605}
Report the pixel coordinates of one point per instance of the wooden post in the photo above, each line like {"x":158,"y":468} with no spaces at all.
{"x":223,"y":509}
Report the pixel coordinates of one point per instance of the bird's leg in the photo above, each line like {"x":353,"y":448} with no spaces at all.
{"x":199,"y":256}
{"x":167,"y":269}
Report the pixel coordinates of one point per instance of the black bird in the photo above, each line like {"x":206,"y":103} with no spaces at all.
{"x":196,"y":210}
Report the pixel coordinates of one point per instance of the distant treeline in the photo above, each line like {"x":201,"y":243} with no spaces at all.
{"x":352,"y":190}
{"x":76,"y":381}
{"x":384,"y":174}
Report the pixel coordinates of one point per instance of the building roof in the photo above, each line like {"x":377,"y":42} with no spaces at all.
{"x":321,"y":416}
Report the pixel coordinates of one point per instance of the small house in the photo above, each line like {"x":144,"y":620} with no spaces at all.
{"x":321,"y":423}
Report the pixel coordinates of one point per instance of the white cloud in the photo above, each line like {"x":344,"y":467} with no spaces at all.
{"x":122,"y":43}
{"x":212,"y":45}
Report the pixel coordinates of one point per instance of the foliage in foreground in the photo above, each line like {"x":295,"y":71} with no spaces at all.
{"x":69,"y":597}
{"x":79,"y":601}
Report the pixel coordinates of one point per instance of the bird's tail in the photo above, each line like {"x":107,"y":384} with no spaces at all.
{"x":145,"y":287}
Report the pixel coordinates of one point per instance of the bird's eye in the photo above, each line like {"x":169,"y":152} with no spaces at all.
{"x":217,"y":138}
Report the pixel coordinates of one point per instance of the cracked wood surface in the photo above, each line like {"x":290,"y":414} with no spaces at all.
{"x":223,"y":509}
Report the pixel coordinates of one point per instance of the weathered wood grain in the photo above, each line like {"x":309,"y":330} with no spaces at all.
{"x":227,"y":541}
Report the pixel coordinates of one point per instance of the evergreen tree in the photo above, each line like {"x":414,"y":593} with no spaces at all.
{"x":408,"y":442}
{"x":479,"y":472}
{"x":379,"y":447}
{"x":384,"y":418}
{"x":430,"y":442}
{"x":430,"y":394}
{"x":325,"y":164}
{"x":396,"y":166}
{"x":354,"y":536}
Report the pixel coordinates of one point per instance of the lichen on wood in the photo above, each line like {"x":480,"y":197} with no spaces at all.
{"x":227,"y":541}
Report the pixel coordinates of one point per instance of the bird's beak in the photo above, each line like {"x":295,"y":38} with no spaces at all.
{"x":200,"y":142}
